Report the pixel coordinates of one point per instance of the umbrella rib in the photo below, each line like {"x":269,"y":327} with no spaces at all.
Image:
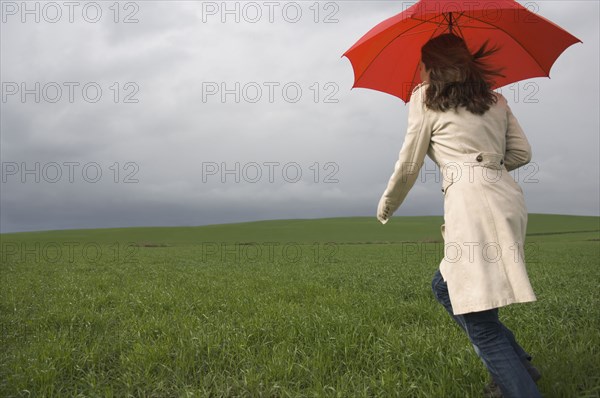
{"x":390,"y":42}
{"x":515,"y":40}
{"x":423,"y":21}
{"x":415,"y":72}
{"x":440,"y":24}
{"x":509,"y":35}
{"x":456,"y":22}
{"x":459,"y":27}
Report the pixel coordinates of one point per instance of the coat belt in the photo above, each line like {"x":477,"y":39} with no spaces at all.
{"x":483,"y":159}
{"x":457,"y":168}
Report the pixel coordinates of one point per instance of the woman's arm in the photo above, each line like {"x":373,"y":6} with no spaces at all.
{"x":518,"y":150}
{"x":411,"y":157}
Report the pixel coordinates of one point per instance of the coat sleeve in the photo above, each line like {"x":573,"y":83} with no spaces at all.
{"x":411,"y":158}
{"x":518,"y":150}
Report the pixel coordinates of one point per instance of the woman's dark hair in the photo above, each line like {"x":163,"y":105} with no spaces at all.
{"x":457,"y":77}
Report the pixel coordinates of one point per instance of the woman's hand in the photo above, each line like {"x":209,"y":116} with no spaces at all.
{"x":383,"y":210}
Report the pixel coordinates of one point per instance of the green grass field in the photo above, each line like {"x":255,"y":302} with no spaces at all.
{"x":338,"y":307}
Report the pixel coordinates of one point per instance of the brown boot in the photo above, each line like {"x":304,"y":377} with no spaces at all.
{"x":492,"y":390}
{"x":533,"y":371}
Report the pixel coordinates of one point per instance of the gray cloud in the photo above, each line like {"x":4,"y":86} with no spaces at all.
{"x":164,"y":139}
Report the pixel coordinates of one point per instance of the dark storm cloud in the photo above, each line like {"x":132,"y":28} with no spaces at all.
{"x":153,"y":154}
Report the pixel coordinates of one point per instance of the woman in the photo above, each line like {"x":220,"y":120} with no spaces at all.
{"x":469,"y":131}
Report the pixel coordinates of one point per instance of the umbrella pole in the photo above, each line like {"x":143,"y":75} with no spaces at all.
{"x":450,"y":24}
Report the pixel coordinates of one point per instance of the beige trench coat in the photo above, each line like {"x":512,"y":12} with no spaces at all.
{"x":485,"y":217}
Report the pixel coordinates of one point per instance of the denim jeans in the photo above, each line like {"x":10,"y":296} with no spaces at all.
{"x":495,"y":345}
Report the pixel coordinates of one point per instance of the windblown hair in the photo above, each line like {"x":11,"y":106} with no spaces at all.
{"x":457,"y":77}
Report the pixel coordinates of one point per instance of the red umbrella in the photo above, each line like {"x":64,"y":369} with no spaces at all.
{"x":387,"y":57}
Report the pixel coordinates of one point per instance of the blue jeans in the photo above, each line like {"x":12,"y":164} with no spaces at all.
{"x":495,"y":345}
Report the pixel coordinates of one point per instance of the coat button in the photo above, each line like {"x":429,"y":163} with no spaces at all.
{"x":479,"y":158}
{"x":502,"y":162}
{"x":442,"y":189}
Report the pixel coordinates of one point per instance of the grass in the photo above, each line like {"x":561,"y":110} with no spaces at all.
{"x":290,"y":308}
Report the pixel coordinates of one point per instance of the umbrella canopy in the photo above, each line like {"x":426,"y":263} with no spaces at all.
{"x":387,"y":57}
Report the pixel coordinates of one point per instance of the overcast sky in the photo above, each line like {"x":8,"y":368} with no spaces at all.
{"x":131,"y":128}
